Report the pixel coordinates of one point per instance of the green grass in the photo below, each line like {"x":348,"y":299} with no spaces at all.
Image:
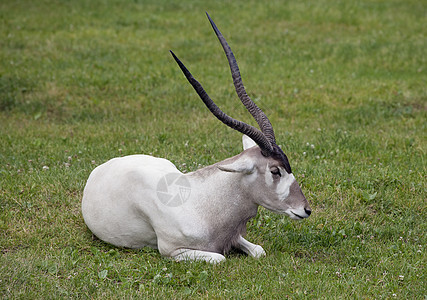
{"x":343,"y":82}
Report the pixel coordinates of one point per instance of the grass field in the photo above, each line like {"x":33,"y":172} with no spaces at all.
{"x":343,"y":82}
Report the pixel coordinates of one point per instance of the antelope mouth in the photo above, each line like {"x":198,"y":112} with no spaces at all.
{"x":298,"y":214}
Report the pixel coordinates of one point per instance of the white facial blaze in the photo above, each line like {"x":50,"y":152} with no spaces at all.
{"x":284,"y":185}
{"x":268,"y":177}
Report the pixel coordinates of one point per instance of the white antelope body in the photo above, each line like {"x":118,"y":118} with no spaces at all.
{"x":139,"y":200}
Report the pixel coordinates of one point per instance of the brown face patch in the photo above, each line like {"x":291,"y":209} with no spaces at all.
{"x":280,"y":156}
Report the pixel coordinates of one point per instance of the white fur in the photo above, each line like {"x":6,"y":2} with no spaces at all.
{"x":125,"y":203}
{"x":284,"y":185}
{"x":239,"y":166}
{"x":292,"y":213}
{"x":268,"y":176}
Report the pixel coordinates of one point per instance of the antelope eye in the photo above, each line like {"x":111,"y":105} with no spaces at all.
{"x":276,"y":171}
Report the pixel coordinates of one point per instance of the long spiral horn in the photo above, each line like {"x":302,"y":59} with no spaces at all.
{"x":252,"y":132}
{"x":254,"y":110}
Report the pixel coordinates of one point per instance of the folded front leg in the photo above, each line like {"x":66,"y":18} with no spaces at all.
{"x":249,"y":248}
{"x":190,"y":254}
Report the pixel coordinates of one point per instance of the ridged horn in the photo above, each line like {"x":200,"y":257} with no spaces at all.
{"x":252,"y":132}
{"x":259,"y":116}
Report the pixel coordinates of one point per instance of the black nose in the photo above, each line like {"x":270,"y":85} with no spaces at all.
{"x":307,"y":211}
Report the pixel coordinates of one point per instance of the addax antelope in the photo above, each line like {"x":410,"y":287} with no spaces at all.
{"x":139,"y":200}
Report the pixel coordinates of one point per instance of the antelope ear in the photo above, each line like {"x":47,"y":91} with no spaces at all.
{"x":247,"y":142}
{"x":243,"y":165}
